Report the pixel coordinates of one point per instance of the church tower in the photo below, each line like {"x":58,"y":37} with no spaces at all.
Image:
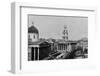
{"x":65,"y":33}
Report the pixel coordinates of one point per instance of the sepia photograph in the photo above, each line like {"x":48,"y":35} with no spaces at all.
{"x":52,"y":37}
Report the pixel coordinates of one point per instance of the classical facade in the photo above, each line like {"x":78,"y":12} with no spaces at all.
{"x":65,"y":46}
{"x":37,"y":48}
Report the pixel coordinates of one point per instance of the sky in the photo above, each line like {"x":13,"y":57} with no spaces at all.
{"x":53,"y":26}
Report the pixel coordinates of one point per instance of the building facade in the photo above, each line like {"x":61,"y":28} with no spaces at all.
{"x":33,"y":36}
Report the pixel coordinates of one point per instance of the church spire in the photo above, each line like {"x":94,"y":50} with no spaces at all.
{"x":65,"y":33}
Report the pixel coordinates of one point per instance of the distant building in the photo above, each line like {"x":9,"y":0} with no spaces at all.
{"x":65,"y":46}
{"x":84,"y":44}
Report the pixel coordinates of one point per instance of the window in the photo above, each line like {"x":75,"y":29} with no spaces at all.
{"x":34,"y":36}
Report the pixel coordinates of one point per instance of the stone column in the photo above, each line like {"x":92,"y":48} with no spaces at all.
{"x":66,"y":46}
{"x":29,"y":53}
{"x":63,"y":47}
{"x":57,"y":47}
{"x":38,"y":53}
{"x":83,"y":48}
{"x":60,"y":47}
{"x":34,"y":53}
{"x":69,"y":47}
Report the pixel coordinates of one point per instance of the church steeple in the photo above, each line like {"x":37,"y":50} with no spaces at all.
{"x":65,"y":33}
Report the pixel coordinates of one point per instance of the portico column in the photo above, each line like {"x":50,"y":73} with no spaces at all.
{"x":63,"y":46}
{"x":34,"y":53}
{"x":83,"y":48}
{"x":38,"y":53}
{"x":66,"y":46}
{"x":60,"y":47}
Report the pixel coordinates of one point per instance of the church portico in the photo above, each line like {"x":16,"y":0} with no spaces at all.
{"x":34,"y":52}
{"x":62,"y":47}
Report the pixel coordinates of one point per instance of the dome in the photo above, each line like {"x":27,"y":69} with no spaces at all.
{"x":33,"y":29}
